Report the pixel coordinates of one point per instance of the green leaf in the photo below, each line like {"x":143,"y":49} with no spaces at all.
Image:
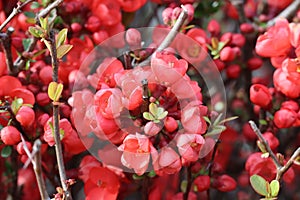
{"x":228,"y":119}
{"x":153,"y":109}
{"x":259,"y":184}
{"x":26,"y":43}
{"x":183,"y":186}
{"x":207,"y":120}
{"x":44,"y":23}
{"x":6,"y":151}
{"x":217,"y":120}
{"x":36,"y":31}
{"x":54,"y":91}
{"x":47,"y":45}
{"x":151,"y":174}
{"x":162,"y":115}
{"x":61,"y":37}
{"x":27,"y":64}
{"x":38,"y":53}
{"x":263,"y":122}
{"x":16,"y":105}
{"x":29,"y":14}
{"x":148,"y":116}
{"x":137,"y":177}
{"x":35,"y":5}
{"x":63,"y":50}
{"x":275,"y":186}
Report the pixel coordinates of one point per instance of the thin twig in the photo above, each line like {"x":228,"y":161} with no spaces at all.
{"x":14,"y":13}
{"x":286,"y":13}
{"x":189,"y":182}
{"x":265,"y":143}
{"x":58,"y":146}
{"x":6,"y":43}
{"x":47,"y":10}
{"x":171,"y":35}
{"x":37,"y":166}
{"x":283,"y":169}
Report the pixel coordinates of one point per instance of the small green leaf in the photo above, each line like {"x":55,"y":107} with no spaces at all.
{"x":47,"y":44}
{"x":183,"y":186}
{"x":263,"y":122}
{"x":16,"y":105}
{"x":259,"y":184}
{"x":217,"y":120}
{"x":44,"y":23}
{"x":148,"y":116}
{"x":26,"y":43}
{"x":29,"y":14}
{"x":35,"y":5}
{"x":261,"y":146}
{"x":27,"y":64}
{"x":6,"y":151}
{"x":162,"y":115}
{"x":137,"y":177}
{"x":36,"y":31}
{"x":54,"y":91}
{"x":38,"y":53}
{"x":207,"y":119}
{"x":153,"y":109}
{"x":275,"y":186}
{"x":63,"y":50}
{"x":61,"y":37}
{"x":228,"y":119}
{"x":151,"y":174}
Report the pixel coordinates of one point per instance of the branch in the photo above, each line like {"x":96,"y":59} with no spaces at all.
{"x":283,"y":169}
{"x":265,"y":143}
{"x":14,"y":13}
{"x":286,"y":13}
{"x":6,"y":42}
{"x":171,"y":35}
{"x":37,"y":166}
{"x":58,"y":146}
{"x":47,"y":10}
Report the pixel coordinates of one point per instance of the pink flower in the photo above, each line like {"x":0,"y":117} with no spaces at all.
{"x":189,"y":146}
{"x":192,"y":118}
{"x":108,"y":102}
{"x":166,"y":162}
{"x":275,"y":42}
{"x":285,"y":85}
{"x":167,"y":68}
{"x":136,"y":152}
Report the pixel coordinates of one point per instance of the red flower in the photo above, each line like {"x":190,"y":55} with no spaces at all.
{"x":202,"y":183}
{"x":260,"y":95}
{"x":25,"y":116}
{"x":136,"y":152}
{"x":224,"y":183}
{"x":284,"y":118}
{"x":103,"y":184}
{"x":275,"y":42}
{"x":192,"y":118}
{"x":131,"y":5}
{"x":10,"y":135}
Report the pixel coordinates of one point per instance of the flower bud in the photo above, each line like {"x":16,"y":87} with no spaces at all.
{"x":284,"y":118}
{"x":260,"y":95}
{"x":10,"y":135}
{"x":25,"y":116}
{"x":133,"y":38}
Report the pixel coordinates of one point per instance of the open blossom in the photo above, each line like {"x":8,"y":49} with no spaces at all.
{"x":192,"y":117}
{"x":189,"y":146}
{"x":285,"y":85}
{"x":136,"y":152}
{"x":275,"y":42}
{"x":167,"y":161}
{"x":167,"y":68}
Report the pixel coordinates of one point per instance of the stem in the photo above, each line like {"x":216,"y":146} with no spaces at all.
{"x":48,"y":9}
{"x":265,"y":143}
{"x":171,"y":35}
{"x":6,"y":42}
{"x":38,"y":169}
{"x":286,"y":13}
{"x":58,"y":146}
{"x":189,"y":182}
{"x":283,"y":169}
{"x":14,"y":13}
